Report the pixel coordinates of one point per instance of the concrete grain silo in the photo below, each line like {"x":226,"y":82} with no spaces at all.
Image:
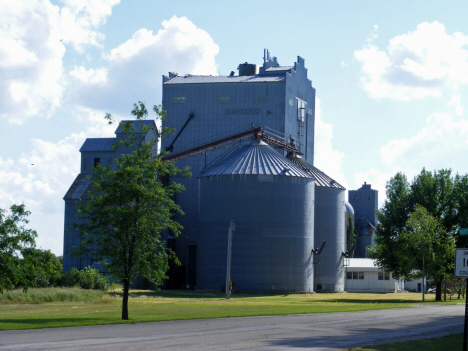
{"x":271,"y":202}
{"x":329,"y":225}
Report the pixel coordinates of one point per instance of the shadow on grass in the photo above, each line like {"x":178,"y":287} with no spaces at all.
{"x":389,"y":301}
{"x":346,"y":299}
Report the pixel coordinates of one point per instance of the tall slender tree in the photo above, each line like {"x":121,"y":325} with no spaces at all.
{"x":129,"y":207}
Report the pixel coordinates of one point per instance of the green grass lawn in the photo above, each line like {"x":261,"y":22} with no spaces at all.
{"x":446,"y":343}
{"x":150,"y":306}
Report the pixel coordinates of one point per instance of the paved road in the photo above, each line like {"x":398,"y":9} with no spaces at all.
{"x":321,"y":331}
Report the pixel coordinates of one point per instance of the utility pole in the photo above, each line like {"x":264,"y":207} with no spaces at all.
{"x":423,"y":278}
{"x":228,"y":273}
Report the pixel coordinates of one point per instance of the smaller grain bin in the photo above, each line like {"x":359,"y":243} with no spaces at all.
{"x":329,"y":225}
{"x":271,"y":202}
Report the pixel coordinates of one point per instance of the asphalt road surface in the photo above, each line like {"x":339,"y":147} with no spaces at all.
{"x":320,"y":331}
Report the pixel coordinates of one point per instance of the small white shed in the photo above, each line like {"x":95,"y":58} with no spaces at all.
{"x":363,"y":275}
{"x":415,"y":285}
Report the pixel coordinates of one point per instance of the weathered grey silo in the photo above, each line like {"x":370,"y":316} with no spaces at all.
{"x":329,"y":225}
{"x":271,"y":202}
{"x":365,"y":201}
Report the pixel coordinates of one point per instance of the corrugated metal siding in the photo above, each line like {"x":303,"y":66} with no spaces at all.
{"x":190,"y":79}
{"x":371,"y":283}
{"x":98,"y":144}
{"x":149,"y":123}
{"x":279,"y":69}
{"x":274,"y":235}
{"x":321,"y":178}
{"x":79,"y":189}
{"x":329,"y":225}
{"x":256,"y":158}
{"x":362,"y":263}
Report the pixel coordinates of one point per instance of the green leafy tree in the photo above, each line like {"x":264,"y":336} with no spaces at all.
{"x":351,"y":234}
{"x":425,"y":247}
{"x":14,"y":240}
{"x":46,"y":268}
{"x":440,"y":194}
{"x":461,"y":206}
{"x":129,"y":207}
{"x":392,"y":221}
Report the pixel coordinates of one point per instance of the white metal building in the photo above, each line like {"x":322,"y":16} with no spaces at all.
{"x":363,"y":275}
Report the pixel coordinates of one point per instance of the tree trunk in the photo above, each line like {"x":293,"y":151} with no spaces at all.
{"x":126,"y":287}
{"x":445,"y":289}
{"x":438,"y":296}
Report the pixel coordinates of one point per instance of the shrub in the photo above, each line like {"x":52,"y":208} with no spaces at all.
{"x":88,"y":278}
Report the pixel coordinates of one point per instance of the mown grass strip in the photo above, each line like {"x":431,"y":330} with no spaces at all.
{"x":446,"y":343}
{"x":150,"y":306}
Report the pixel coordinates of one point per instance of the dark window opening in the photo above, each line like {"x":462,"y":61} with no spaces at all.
{"x":355,"y":275}
{"x":96,"y":161}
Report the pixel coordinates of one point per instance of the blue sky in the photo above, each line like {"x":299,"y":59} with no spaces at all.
{"x":391,"y":80}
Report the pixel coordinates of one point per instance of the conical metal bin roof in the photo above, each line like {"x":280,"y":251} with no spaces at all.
{"x":321,"y":179}
{"x":256,"y":158}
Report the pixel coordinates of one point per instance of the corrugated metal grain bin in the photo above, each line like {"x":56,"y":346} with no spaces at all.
{"x":329,"y":225}
{"x":271,"y":202}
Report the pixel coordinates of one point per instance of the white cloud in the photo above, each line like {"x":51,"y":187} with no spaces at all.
{"x":41,"y":177}
{"x":455,"y":103}
{"x":80,"y":20}
{"x":34,"y":85}
{"x":326,"y":158}
{"x":136,"y":66}
{"x":32,"y":38}
{"x":30,"y":60}
{"x":442,"y":143}
{"x":377,"y":179}
{"x":91,"y":76}
{"x":179,"y":41}
{"x":415,"y":65}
